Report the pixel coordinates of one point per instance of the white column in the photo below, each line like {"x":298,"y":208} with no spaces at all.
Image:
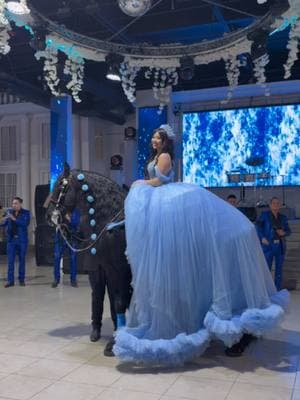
{"x":34,"y":156}
{"x":130,"y":161}
{"x":117,"y":175}
{"x":25,"y":126}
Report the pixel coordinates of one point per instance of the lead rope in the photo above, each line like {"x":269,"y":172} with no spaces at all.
{"x":103,"y":230}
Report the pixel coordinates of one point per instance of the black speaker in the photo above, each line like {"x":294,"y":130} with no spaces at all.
{"x":41,"y":194}
{"x":129,"y":133}
{"x":3,"y":240}
{"x":249,"y":212}
{"x":44,"y":245}
{"x":80,"y":263}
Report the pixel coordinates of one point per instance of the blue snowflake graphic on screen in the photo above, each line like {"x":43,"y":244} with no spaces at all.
{"x":219,"y":143}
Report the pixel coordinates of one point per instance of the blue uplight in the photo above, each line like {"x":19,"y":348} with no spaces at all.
{"x":149,"y":119}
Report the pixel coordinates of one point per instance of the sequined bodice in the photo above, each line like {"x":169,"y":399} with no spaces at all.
{"x":154,"y":172}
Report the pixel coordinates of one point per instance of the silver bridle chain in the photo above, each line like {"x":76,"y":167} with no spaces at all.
{"x":102,"y":232}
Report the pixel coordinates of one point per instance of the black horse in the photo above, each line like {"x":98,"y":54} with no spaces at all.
{"x":100,"y":201}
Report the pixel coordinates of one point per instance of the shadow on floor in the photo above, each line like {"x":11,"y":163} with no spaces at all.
{"x":274,"y":355}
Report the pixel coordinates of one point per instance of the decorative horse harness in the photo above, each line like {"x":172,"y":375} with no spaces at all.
{"x":56,"y":218}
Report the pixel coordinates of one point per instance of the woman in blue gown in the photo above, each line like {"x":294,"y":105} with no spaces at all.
{"x":198,"y":269}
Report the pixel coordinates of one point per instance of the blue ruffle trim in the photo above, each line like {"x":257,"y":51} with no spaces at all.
{"x":173,"y":352}
{"x":131,"y":347}
{"x":255,"y":321}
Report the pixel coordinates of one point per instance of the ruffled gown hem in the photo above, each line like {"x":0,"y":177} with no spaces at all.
{"x":131,"y":347}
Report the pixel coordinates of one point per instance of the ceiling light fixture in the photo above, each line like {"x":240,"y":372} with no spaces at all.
{"x":113,"y":73}
{"x":187,"y":68}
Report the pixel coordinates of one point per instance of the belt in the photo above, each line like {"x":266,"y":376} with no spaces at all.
{"x":276,"y":241}
{"x":15,"y":236}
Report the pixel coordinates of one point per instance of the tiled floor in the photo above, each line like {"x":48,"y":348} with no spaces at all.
{"x":45,"y":354}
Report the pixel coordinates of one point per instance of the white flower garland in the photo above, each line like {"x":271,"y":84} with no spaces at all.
{"x":154,"y":62}
{"x":75,"y":68}
{"x":4,"y":28}
{"x":50,"y":68}
{"x":260,"y":71}
{"x":260,"y":68}
{"x":128,"y":75}
{"x":3,"y":19}
{"x":232,"y":65}
{"x":292,"y":45}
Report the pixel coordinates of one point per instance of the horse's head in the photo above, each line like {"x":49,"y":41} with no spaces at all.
{"x":62,"y":200}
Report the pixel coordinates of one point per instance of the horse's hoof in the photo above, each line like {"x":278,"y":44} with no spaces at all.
{"x":238,"y":349}
{"x":234,"y":351}
{"x":108,"y":351}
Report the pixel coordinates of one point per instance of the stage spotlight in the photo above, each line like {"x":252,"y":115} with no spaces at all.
{"x":259,"y":45}
{"x":116,"y":162}
{"x":187,"y":68}
{"x":114,"y":60}
{"x":38,"y":42}
{"x":18,"y":7}
{"x":130,"y":133}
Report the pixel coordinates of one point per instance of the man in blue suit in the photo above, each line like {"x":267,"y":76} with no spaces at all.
{"x":273,"y":228}
{"x":60,"y":246}
{"x":16,"y":221}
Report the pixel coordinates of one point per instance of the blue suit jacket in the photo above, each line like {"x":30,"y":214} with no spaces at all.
{"x":265,"y":229}
{"x":22,"y":222}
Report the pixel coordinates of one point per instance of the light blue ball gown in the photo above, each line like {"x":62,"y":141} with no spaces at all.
{"x":198,"y":274}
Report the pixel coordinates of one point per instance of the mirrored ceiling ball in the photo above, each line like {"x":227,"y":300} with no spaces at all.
{"x":134,"y":8}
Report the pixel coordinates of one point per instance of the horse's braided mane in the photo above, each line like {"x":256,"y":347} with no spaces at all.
{"x":109,"y":196}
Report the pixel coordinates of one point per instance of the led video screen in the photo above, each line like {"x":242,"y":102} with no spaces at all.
{"x":246,"y":146}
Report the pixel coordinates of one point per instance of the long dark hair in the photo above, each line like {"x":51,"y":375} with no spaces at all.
{"x":167,"y":147}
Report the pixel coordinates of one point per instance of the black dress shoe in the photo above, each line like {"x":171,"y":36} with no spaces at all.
{"x":54,"y":284}
{"x":22,"y":284}
{"x":74,"y":284}
{"x":234,"y":351}
{"x":238,"y":349}
{"x":108,"y":351}
{"x":95,"y":335}
{"x":9,"y":284}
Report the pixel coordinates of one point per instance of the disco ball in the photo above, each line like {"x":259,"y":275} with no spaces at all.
{"x":134,"y":8}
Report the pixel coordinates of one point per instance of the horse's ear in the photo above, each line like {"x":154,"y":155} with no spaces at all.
{"x":67,"y":169}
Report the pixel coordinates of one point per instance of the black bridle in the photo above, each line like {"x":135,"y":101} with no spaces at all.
{"x":56,"y":218}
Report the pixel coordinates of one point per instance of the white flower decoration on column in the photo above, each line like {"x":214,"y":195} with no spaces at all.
{"x":4,"y":28}
{"x":292,"y":45}
{"x":50,"y":68}
{"x":128,"y":75}
{"x":163,"y":81}
{"x":75,"y":68}
{"x":232,"y":65}
{"x":260,"y":67}
{"x":260,"y":71}
{"x":3,"y":19}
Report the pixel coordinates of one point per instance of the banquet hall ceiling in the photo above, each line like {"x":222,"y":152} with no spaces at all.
{"x":170,"y":21}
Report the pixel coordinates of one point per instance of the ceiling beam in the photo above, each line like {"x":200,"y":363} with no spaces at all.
{"x":220,"y":18}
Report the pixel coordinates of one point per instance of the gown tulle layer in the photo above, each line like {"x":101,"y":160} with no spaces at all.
{"x":198,"y":274}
